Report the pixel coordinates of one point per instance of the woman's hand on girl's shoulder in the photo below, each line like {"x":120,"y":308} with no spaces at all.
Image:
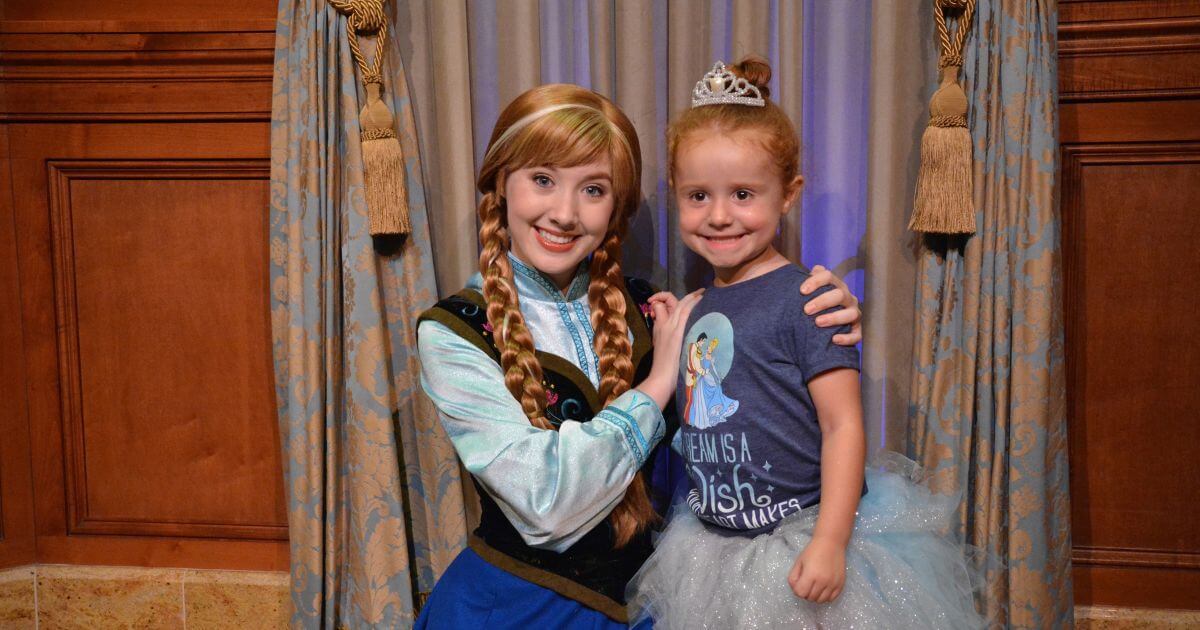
{"x":670,"y":319}
{"x":840,"y":298}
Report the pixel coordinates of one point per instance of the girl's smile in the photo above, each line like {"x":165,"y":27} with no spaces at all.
{"x":731,"y":197}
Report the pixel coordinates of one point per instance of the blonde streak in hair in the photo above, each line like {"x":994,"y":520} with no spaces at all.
{"x":529,"y":119}
{"x":616,"y":129}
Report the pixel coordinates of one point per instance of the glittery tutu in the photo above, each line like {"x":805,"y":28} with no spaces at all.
{"x":901,"y":572}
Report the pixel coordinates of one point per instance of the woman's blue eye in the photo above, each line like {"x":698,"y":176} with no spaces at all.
{"x":594,"y":191}
{"x":542,"y":180}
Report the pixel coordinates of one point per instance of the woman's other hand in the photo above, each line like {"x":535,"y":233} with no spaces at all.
{"x":839,"y":297}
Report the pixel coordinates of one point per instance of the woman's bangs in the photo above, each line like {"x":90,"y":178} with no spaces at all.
{"x":566,"y":138}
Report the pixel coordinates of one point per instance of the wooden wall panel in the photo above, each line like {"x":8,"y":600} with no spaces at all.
{"x":16,"y":488}
{"x":1129,"y":77}
{"x":1130,"y":55}
{"x":138,"y":138}
{"x":188,"y":14}
{"x":94,"y":77}
{"x":165,"y":347}
{"x":146,"y":331}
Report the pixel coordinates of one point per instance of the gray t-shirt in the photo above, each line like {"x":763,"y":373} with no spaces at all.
{"x":749,"y":432}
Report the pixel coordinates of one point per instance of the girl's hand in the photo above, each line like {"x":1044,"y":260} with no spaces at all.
{"x":820,"y":571}
{"x":670,"y":320}
{"x":840,"y":296}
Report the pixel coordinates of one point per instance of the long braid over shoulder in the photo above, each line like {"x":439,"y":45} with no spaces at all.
{"x":522,"y":371}
{"x":565,"y":126}
{"x":607,"y":299}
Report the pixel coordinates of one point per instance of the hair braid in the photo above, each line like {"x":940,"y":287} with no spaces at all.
{"x":607,"y":300}
{"x":522,"y":371}
{"x":634,"y":513}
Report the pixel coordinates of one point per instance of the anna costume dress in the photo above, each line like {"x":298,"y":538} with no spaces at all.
{"x":543,"y":553}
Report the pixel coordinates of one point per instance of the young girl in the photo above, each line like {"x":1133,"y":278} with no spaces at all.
{"x":773,"y":533}
{"x":531,"y":368}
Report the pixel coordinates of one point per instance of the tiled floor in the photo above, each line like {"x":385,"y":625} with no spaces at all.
{"x":53,"y":597}
{"x":49,"y":597}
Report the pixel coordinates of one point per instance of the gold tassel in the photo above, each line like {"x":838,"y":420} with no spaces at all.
{"x":944,"y":202}
{"x":383,"y":168}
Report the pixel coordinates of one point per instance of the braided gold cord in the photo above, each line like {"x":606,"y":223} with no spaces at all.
{"x":377,"y":134}
{"x":365,"y":16}
{"x":951,"y":50}
{"x":947,"y":121}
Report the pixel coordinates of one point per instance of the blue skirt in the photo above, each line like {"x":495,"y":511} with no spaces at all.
{"x":475,"y":594}
{"x":902,"y":571}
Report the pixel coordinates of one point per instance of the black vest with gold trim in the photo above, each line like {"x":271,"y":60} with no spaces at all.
{"x":591,"y":571}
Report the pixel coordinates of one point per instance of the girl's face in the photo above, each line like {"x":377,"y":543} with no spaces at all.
{"x":730,"y":199}
{"x":557,"y":216}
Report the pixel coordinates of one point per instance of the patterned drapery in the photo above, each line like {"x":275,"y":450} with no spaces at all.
{"x":988,"y":383}
{"x":468,"y":59}
{"x":375,"y":498}
{"x":375,"y":507}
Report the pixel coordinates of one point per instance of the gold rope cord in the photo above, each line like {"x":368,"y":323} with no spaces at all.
{"x":365,"y":16}
{"x":951,"y":53}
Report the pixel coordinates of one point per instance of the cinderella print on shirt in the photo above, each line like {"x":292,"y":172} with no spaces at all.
{"x":708,"y":355}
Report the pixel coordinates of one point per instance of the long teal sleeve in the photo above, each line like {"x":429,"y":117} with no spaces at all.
{"x":554,"y":486}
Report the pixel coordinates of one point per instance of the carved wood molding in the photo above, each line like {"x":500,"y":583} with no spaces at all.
{"x":135,"y":117}
{"x":135,"y":76}
{"x":206,"y":25}
{"x":108,"y":57}
{"x":61,"y":173}
{"x":1126,"y":37}
{"x":1103,"y":556}
{"x":1125,"y":50}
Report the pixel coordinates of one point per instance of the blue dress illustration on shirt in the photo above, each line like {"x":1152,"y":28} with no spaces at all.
{"x":707,"y":404}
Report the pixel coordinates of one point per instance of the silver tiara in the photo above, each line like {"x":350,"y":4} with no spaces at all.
{"x":722,"y":87}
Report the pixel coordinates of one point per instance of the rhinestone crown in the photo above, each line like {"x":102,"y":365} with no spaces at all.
{"x":722,"y":87}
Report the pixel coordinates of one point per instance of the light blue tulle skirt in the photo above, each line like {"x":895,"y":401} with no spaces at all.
{"x":902,"y":571}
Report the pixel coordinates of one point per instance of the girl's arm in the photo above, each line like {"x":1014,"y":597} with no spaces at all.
{"x":820,"y":571}
{"x":554,"y":486}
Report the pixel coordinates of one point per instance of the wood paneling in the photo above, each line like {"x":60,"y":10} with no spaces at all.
{"x":16,"y":490}
{"x":145,"y":310}
{"x":218,"y":75}
{"x":1130,"y":86}
{"x":99,"y":13}
{"x":164,"y":347}
{"x":137,"y":139}
{"x":1129,"y":50}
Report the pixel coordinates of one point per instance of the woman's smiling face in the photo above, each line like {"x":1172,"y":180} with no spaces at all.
{"x":557,"y":216}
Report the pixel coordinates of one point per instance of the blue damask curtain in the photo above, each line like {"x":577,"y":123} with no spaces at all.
{"x":988,"y":383}
{"x":374,"y":502}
